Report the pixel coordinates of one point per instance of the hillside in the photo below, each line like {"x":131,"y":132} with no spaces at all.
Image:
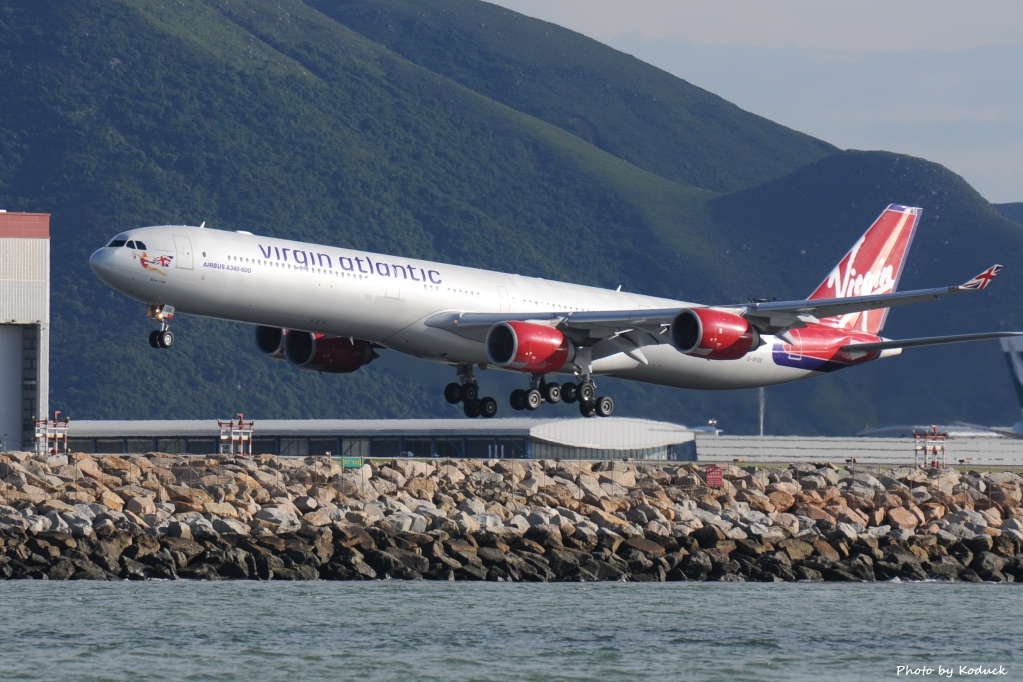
{"x":618,"y":103}
{"x":808,"y":220}
{"x":276,"y":118}
{"x":1012,"y":211}
{"x":124,"y":114}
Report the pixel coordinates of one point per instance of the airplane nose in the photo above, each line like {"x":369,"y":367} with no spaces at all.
{"x":102,"y":263}
{"x":96,"y":262}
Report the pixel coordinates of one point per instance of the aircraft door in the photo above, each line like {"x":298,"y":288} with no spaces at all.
{"x":502,"y":295}
{"x":183,"y":246}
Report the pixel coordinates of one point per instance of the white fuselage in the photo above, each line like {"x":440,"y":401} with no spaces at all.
{"x":387,"y":300}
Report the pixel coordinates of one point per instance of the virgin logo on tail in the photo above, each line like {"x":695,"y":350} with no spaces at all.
{"x":849,"y":282}
{"x":873,"y":266}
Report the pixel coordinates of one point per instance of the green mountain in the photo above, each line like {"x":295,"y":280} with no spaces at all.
{"x":463,"y":133}
{"x":1012,"y":211}
{"x":616,"y":102}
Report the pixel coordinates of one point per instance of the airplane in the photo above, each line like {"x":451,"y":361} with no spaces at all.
{"x":329,"y":309}
{"x":1013,"y":349}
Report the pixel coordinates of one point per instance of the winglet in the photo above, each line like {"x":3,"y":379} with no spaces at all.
{"x":983,"y":279}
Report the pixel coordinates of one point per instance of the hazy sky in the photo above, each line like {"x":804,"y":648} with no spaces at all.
{"x":938,"y":79}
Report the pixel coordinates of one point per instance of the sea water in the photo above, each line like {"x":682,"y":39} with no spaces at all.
{"x":394,"y":630}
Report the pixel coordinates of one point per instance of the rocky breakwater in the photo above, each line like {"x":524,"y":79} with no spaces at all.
{"x":160,"y":516}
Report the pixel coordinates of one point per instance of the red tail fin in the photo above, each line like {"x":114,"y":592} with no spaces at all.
{"x":872,"y":266}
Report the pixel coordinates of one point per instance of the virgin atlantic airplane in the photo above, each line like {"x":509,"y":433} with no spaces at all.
{"x":327,"y":309}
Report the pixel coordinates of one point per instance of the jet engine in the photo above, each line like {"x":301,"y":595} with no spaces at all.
{"x":713,"y":334}
{"x":270,"y":341}
{"x":528,"y":347}
{"x":324,"y":353}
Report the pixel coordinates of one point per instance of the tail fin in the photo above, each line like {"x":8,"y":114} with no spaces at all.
{"x":872,"y":266}
{"x":1013,"y":348}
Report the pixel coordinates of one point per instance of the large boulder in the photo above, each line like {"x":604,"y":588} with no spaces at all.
{"x":421,"y":487}
{"x":781,"y":499}
{"x":276,"y":520}
{"x":901,"y":518}
{"x":230,"y":526}
{"x":141,"y":506}
{"x":649,"y":548}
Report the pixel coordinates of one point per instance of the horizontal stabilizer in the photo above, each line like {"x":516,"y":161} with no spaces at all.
{"x":775,"y":316}
{"x":928,"y":341}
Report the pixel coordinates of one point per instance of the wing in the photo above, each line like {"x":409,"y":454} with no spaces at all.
{"x":636,"y":328}
{"x":625,"y":331}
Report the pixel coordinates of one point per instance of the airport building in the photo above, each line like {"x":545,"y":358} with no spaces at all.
{"x":24,"y":326}
{"x":603,"y":439}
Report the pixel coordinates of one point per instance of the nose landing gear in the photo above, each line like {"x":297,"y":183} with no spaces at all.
{"x":162,"y":337}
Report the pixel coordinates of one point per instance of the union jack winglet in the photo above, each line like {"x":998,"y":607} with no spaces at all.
{"x":983,"y":279}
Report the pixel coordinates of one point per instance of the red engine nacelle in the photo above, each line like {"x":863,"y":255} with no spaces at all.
{"x":528,"y":347}
{"x":323,"y":353}
{"x":713,"y":334}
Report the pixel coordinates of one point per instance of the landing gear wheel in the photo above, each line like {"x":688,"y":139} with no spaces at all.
{"x":518,"y":399}
{"x":470,"y":392}
{"x":165,"y":339}
{"x":569,"y":392}
{"x":154,"y":338}
{"x":472,"y":408}
{"x":587,"y":391}
{"x":605,"y":406}
{"x":488,"y":407}
{"x":587,"y":409}
{"x":551,"y":393}
{"x":533,"y":399}
{"x":453,"y":393}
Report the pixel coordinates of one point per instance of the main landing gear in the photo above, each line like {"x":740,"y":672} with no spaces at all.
{"x":541,"y":391}
{"x":162,"y":337}
{"x":467,"y":392}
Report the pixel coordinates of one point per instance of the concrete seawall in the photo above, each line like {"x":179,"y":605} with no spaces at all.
{"x":160,"y":516}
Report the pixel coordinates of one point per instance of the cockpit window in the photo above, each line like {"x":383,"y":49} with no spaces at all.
{"x":130,"y":245}
{"x":140,"y":246}
{"x":119,"y":240}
